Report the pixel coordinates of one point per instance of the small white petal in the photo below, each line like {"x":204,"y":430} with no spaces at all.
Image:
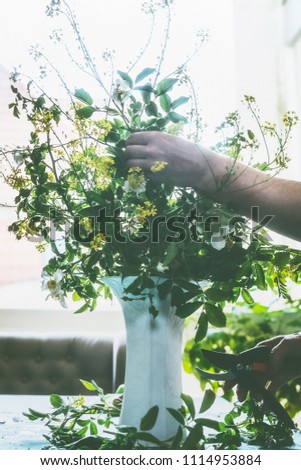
{"x":218,"y":242}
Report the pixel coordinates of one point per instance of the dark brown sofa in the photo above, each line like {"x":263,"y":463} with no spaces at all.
{"x":52,"y":363}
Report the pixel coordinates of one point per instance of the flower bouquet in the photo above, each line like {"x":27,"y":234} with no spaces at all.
{"x":102,"y":220}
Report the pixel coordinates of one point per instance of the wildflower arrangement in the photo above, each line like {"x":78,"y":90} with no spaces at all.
{"x":76,"y":196}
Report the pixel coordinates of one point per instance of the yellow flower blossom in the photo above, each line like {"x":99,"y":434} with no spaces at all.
{"x":103,"y":167}
{"x":86,"y":224}
{"x":105,"y":127}
{"x":79,"y":157}
{"x":158,"y":166}
{"x":17,"y":181}
{"x":51,"y":176}
{"x":98,"y":241}
{"x":135,"y":180}
{"x":25,"y":230}
{"x":249,"y":99}
{"x":41,"y":247}
{"x":147,"y":210}
{"x":269,"y":127}
{"x":290,"y":119}
{"x":79,"y":401}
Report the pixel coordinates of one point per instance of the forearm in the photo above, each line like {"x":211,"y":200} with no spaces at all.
{"x":242,"y":188}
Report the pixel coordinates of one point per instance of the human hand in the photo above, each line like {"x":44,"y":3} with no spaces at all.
{"x":185,"y":161}
{"x":284,"y":364}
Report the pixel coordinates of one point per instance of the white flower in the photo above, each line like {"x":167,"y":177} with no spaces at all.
{"x":18,"y":157}
{"x":122,"y":91}
{"x":204,"y":283}
{"x":52,"y":283}
{"x":161,"y":268}
{"x":218,"y":242}
{"x":139,"y":188}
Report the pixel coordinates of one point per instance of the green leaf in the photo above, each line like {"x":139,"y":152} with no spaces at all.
{"x":125,"y":77}
{"x":84,"y":308}
{"x":93,"y":429}
{"x":202,"y":327}
{"x":88,"y":385}
{"x":215,"y":315}
{"x":56,"y":401}
{"x":33,"y":414}
{"x":281,"y":258}
{"x":113,"y":137}
{"x":250,"y":134}
{"x":177,"y":439}
{"x":260,"y":278}
{"x":146,"y":88}
{"x":145,"y":73}
{"x":208,"y":400}
{"x":83,"y":96}
{"x":146,"y":96}
{"x":187,"y":399}
{"x":193,"y":438}
{"x":179,"y":102}
{"x":217,"y":295}
{"x":171,"y":253}
{"x":184,"y":311}
{"x":247,"y":296}
{"x":211,"y":423}
{"x":86,"y":112}
{"x":144,"y":436}
{"x":165,"y":85}
{"x":177,"y":415}
{"x":175,"y":117}
{"x":98,"y":389}
{"x":149,"y":420}
{"x":165,"y":102}
{"x":153,"y":311}
{"x":164,"y":288}
{"x":151,"y":109}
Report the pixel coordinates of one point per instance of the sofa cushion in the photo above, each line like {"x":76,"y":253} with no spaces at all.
{"x":46,"y":364}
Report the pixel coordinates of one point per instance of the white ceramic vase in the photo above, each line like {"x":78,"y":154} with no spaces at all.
{"x":153,"y":374}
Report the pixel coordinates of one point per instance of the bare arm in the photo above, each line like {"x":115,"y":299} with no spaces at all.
{"x":240,"y":187}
